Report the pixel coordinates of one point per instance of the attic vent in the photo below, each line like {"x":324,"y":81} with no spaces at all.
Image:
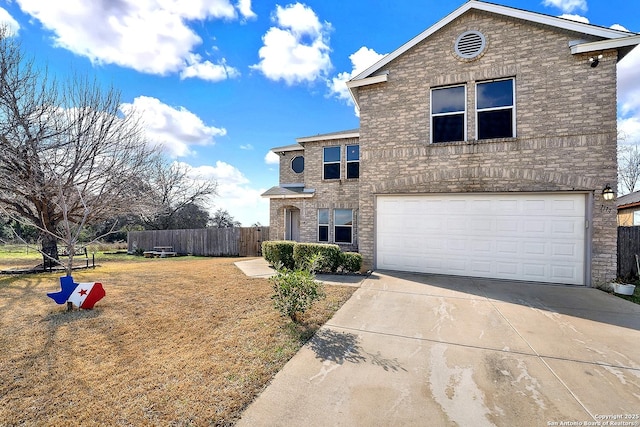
{"x":470,"y":44}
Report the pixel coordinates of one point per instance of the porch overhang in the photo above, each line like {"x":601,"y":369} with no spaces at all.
{"x":289,"y":191}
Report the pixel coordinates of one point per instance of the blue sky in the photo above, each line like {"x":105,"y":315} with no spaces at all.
{"x":220,"y":82}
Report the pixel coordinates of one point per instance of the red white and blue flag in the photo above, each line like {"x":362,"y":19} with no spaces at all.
{"x":83,"y":295}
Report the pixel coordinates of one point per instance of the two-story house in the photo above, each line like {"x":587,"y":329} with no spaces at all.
{"x":485,"y":146}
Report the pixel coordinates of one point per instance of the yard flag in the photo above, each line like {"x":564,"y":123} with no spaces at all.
{"x":87,"y":294}
{"x":83,"y":295}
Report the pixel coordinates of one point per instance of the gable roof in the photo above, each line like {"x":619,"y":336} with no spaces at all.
{"x":623,"y":40}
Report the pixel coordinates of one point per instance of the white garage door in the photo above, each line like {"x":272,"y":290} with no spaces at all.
{"x":533,"y":237}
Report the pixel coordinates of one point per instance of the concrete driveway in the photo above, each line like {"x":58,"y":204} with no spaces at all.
{"x":422,"y":350}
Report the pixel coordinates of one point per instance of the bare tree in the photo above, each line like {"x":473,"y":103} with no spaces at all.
{"x":628,"y":167}
{"x":69,"y":158}
{"x":174,"y":191}
{"x":222,"y":219}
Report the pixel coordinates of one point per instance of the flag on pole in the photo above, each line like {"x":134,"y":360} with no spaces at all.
{"x":83,"y":295}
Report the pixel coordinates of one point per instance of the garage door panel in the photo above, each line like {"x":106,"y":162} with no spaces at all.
{"x":565,"y":250}
{"x":507,"y":270}
{"x":535,"y":250}
{"x":507,"y":225}
{"x":483,"y":224}
{"x":569,"y":228}
{"x":482,"y":246}
{"x":533,"y":237}
{"x":535,"y":227}
{"x":482,"y":267}
{"x":456,"y":265}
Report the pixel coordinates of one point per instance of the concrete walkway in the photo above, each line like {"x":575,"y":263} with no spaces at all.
{"x":258,"y":267}
{"x":422,"y":350}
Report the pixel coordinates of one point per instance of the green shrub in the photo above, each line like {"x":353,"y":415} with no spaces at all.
{"x":295,"y":291}
{"x":350,"y":262}
{"x":279,"y":251}
{"x":326,"y":257}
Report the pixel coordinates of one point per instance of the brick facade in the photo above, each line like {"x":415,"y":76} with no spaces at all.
{"x":565,"y":124}
{"x":329,"y":193}
{"x":566,"y":132}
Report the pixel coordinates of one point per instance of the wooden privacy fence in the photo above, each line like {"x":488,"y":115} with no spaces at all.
{"x":236,"y":241}
{"x":628,"y":247}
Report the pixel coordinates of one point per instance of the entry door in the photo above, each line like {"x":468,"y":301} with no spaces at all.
{"x":292,"y":229}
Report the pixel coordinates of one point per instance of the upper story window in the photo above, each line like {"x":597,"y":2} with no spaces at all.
{"x":353,"y":161}
{"x":297,"y":164}
{"x":495,"y":109}
{"x":331,"y":163}
{"x":448,"y":114}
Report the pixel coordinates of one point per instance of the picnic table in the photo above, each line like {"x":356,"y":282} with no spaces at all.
{"x":160,"y":251}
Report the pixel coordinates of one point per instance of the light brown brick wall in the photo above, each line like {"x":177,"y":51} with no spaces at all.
{"x":331,"y":194}
{"x":566,"y":126}
{"x":287,"y":175}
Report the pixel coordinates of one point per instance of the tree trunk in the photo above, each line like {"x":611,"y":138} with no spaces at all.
{"x":50,"y":249}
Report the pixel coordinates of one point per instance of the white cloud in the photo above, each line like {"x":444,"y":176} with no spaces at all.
{"x":618,"y":27}
{"x":578,"y":18}
{"x":629,"y":84}
{"x":7,"y":20}
{"x":206,"y":70}
{"x":272,"y":158}
{"x":150,"y":36}
{"x":235,"y":193}
{"x":567,"y":6}
{"x":362,"y":59}
{"x":247,"y":147}
{"x":244,"y":6}
{"x":177,"y":129}
{"x":296,"y":50}
{"x":629,"y":130}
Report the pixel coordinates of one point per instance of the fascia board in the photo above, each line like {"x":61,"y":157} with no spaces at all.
{"x":565,"y":24}
{"x":287,"y":148}
{"x":606,"y":44}
{"x":288,"y":196}
{"x":328,"y":137}
{"x":368,"y":81}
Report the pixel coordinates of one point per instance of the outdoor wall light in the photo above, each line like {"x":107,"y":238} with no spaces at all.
{"x":595,"y":60}
{"x":607,"y":193}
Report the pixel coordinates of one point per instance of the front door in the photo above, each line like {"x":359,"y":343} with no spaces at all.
{"x":292,"y":224}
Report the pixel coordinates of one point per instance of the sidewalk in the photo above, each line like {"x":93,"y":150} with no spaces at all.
{"x":259,"y":267}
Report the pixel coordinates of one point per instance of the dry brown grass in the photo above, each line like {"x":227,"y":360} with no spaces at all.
{"x":185,"y":341}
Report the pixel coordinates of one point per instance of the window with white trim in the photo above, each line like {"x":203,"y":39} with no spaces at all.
{"x":353,"y":161}
{"x":343,"y":225}
{"x":331,"y":163}
{"x":323,"y":225}
{"x":495,"y":116}
{"x":448,"y":114}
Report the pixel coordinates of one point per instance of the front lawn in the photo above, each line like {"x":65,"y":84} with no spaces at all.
{"x":180,"y":341}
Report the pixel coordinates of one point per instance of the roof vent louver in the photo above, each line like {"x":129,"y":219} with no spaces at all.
{"x":470,"y":44}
